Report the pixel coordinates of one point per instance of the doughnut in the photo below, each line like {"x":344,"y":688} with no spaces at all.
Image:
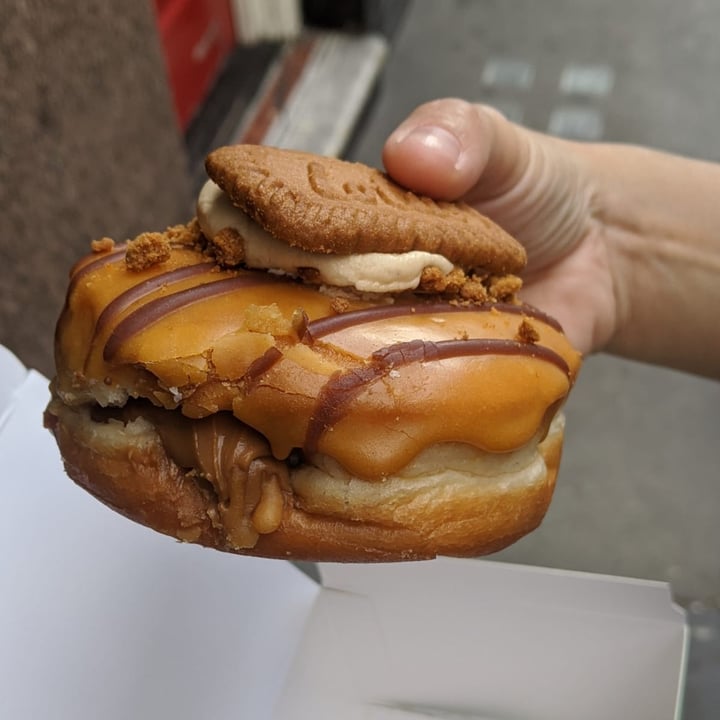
{"x":243,"y":383}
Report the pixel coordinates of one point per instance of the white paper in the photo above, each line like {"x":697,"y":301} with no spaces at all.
{"x":100,"y":618}
{"x":479,"y":639}
{"x":12,"y":375}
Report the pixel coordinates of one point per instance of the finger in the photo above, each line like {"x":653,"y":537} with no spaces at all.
{"x":450,"y":149}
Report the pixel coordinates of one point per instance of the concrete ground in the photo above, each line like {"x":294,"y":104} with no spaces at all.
{"x":639,"y":489}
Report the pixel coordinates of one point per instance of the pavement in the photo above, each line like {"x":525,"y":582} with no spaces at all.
{"x":639,"y":489}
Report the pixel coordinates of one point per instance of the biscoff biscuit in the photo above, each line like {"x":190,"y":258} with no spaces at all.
{"x":326,"y":205}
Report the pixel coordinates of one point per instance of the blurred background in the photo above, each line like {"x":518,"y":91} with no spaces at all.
{"x":107,"y":112}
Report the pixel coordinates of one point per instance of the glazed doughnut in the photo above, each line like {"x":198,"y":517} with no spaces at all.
{"x":305,"y":403}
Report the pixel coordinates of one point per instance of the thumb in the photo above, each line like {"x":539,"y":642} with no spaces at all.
{"x":530,"y":184}
{"x":450,"y":149}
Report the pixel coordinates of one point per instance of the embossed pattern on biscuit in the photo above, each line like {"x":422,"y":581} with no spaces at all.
{"x":326,"y":205}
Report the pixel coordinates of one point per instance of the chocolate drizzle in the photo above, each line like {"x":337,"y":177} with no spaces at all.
{"x":329,"y":325}
{"x":260,"y":366}
{"x":342,"y":388}
{"x":145,"y":288}
{"x":155,"y":310}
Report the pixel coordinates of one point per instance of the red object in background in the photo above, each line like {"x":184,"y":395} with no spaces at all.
{"x":197,"y":36}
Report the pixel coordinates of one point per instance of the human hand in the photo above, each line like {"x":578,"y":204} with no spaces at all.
{"x":536,"y":187}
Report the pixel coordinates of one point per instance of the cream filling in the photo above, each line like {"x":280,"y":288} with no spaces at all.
{"x":366,"y":272}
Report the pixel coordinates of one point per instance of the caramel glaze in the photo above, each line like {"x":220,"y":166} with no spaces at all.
{"x":94,"y":262}
{"x":156,"y":310}
{"x":338,"y":393}
{"x":138,"y":292}
{"x":116,"y":322}
{"x":369,"y":387}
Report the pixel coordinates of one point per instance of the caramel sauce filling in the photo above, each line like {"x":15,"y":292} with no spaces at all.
{"x":250,"y":485}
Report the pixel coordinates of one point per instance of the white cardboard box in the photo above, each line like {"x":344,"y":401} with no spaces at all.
{"x":100,"y":618}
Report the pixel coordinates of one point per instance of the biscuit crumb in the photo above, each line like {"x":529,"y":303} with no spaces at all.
{"x":102,"y":245}
{"x":146,"y":250}
{"x":475,"y":288}
{"x":526,"y":333}
{"x":434,"y":281}
{"x":474,"y":291}
{"x":339,"y":305}
{"x":503,"y":287}
{"x":228,"y":247}
{"x":184,"y":234}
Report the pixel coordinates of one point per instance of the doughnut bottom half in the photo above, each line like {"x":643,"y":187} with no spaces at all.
{"x":453,"y":500}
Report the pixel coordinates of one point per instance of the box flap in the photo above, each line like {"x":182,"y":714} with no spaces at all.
{"x":12,"y":376}
{"x":497,"y":581}
{"x":104,"y":619}
{"x":480,"y":639}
